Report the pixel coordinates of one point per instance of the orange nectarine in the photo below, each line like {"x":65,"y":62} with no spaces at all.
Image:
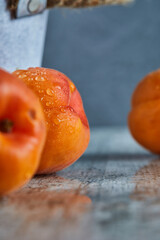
{"x":68,"y":130}
{"x":144,"y":118}
{"x":22,"y":132}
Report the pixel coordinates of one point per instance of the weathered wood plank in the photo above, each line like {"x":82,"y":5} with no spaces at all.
{"x":94,"y":199}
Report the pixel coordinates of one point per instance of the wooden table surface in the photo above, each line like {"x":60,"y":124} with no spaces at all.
{"x":114,"y":196}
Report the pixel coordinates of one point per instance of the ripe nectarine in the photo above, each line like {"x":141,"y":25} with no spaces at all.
{"x":67,"y":125}
{"x":144,"y":118}
{"x":22,"y":133}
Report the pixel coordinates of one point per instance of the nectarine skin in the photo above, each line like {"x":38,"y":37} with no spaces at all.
{"x":22,"y":133}
{"x":144,"y":118}
{"x":68,"y":130}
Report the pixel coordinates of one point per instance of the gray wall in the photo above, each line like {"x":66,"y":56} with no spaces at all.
{"x":105,"y":51}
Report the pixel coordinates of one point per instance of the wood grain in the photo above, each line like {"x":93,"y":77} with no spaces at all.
{"x":95,"y":199}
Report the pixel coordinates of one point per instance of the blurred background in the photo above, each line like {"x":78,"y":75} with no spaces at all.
{"x":105,"y":51}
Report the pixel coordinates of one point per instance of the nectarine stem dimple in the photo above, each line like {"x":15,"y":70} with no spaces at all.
{"x":32,"y":114}
{"x":6,"y":126}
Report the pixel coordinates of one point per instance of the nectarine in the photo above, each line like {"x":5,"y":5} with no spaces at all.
{"x":67,"y":126}
{"x":144,"y":118}
{"x":22,"y":133}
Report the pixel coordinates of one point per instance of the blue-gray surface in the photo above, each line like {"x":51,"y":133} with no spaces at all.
{"x":94,"y":199}
{"x":105,"y":51}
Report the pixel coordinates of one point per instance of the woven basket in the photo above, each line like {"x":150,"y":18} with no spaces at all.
{"x":83,"y":3}
{"x":74,"y":3}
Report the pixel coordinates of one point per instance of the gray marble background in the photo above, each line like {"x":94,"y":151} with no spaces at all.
{"x":105,"y":51}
